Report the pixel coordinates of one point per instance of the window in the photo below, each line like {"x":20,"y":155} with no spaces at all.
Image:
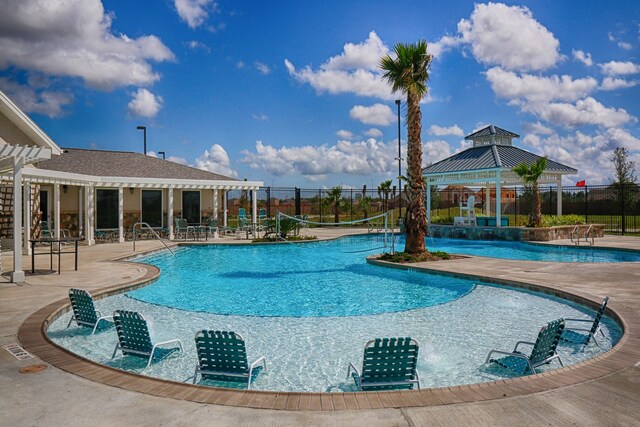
{"x":191,"y":206}
{"x":44,"y":205}
{"x":106,"y":209}
{"x":152,"y":207}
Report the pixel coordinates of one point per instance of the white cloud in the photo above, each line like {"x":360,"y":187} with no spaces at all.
{"x":537,"y":128}
{"x":316,"y":162}
{"x":195,"y":12}
{"x":586,"y":111}
{"x":618,"y":68}
{"x":530,"y":88}
{"x":263,"y":68}
{"x":144,"y":103}
{"x":434,"y":151}
{"x":216,"y":160}
{"x":443,"y":45}
{"x":625,"y":45}
{"x":376,"y":114}
{"x":583,"y":57}
{"x":74,"y":39}
{"x":355,"y":71}
{"x":261,"y":117}
{"x":197,"y":45}
{"x":374,"y":133}
{"x":39,"y":100}
{"x":240,"y":65}
{"x":509,"y":36}
{"x":611,"y":83}
{"x":344,"y":134}
{"x":454,"y":130}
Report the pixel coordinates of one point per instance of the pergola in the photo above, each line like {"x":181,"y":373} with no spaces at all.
{"x":22,"y":143}
{"x":489,"y":163}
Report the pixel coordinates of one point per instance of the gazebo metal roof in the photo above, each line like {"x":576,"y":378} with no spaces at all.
{"x":491,"y":130}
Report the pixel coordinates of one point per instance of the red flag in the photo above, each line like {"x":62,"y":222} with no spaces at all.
{"x":581,"y":183}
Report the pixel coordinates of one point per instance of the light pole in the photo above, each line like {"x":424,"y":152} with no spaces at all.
{"x":144,"y":129}
{"x":163,"y":153}
{"x":399,"y":164}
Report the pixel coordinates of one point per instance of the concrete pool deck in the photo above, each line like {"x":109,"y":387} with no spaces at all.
{"x":55,"y":397}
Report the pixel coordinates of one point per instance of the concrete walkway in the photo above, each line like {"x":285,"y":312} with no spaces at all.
{"x":54,"y":397}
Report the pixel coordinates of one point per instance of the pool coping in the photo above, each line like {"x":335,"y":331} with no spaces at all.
{"x":625,"y":354}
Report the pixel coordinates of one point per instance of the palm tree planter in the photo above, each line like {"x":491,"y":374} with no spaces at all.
{"x":408,"y":73}
{"x":530,"y":175}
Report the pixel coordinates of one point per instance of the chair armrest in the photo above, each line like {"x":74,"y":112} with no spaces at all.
{"x":506,"y":353}
{"x":261,"y":359}
{"x":579,"y":320}
{"x":169,"y":342}
{"x":522,"y":342}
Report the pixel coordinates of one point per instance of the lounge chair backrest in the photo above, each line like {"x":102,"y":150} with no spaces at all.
{"x":390,"y":360}
{"x":242,"y":213}
{"x":598,"y":318}
{"x":133,"y":332}
{"x":222,"y":351}
{"x":547,"y":341}
{"x":181,"y":224}
{"x":45,"y":232}
{"x":213,"y":223}
{"x":83,"y":308}
{"x":262,"y":213}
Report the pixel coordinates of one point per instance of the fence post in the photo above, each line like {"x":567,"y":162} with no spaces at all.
{"x":622,"y":210}
{"x":268,"y":202}
{"x":297,"y":200}
{"x":320,"y":203}
{"x":351,"y":210}
{"x":586,"y":204}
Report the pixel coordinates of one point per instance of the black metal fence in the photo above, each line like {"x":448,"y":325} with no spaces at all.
{"x":616,"y":206}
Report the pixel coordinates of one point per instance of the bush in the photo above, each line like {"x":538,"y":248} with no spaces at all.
{"x":403,"y":257}
{"x":554,"y":220}
{"x":441,"y":219}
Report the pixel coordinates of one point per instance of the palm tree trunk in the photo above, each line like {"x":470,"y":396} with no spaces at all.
{"x":416,"y":218}
{"x":537,"y":208}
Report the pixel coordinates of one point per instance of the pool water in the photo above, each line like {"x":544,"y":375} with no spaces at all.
{"x":311,"y":308}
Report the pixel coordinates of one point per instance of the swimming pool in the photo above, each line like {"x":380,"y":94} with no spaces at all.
{"x":309,"y":343}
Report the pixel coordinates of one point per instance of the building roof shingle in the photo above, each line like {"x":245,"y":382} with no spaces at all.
{"x":123,"y":164}
{"x":491,"y":157}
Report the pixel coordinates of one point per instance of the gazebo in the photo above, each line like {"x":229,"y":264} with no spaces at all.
{"x":489,"y":163}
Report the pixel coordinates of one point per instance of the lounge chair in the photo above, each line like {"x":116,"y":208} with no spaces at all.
{"x":134,"y":338}
{"x":262,"y":213}
{"x":542,"y":353}
{"x":222,"y":356}
{"x":45,"y":232}
{"x":84,"y":311}
{"x":242,"y":214}
{"x":582,"y":335}
{"x":388,"y":364}
{"x":183,"y":228}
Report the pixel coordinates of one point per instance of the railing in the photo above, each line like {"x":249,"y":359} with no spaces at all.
{"x":575,"y":233}
{"x":141,"y":224}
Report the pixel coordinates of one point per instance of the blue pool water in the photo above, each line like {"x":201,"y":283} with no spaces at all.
{"x":531,"y":251}
{"x":310,"y":309}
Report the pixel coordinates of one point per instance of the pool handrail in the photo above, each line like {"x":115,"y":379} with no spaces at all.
{"x":141,"y":224}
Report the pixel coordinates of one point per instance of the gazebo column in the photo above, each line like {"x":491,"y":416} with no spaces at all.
{"x":498,"y":201}
{"x":224,"y":202}
{"x":428,"y":203}
{"x":17,"y":276}
{"x":559,"y":188}
{"x":121,"y":214}
{"x":254,"y":207}
{"x":26,"y":220}
{"x":56,"y":210}
{"x":89,"y":221}
{"x":215,"y":204}
{"x":487,"y":201}
{"x":170,"y":211}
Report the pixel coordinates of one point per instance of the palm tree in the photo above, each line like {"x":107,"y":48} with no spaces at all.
{"x":530,"y":174}
{"x":408,"y":73}
{"x":383,"y":191}
{"x":334,"y":199}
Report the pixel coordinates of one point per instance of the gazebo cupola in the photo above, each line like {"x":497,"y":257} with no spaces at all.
{"x":489,"y":164}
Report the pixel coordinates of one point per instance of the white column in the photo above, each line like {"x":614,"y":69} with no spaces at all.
{"x":215,"y":204}
{"x":428,"y":203}
{"x":18,"y":275}
{"x":56,"y":210}
{"x":121,"y":214}
{"x":26,"y":220}
{"x":170,"y":211}
{"x":254,"y":208}
{"x":487,"y":201}
{"x":89,"y":200}
{"x":498,"y":201}
{"x":80,"y":209}
{"x":224,"y":202}
{"x":559,"y":188}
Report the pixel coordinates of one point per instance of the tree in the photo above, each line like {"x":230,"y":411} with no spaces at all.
{"x":334,"y":199}
{"x":530,"y":174}
{"x":364,"y":203}
{"x":383,"y":191}
{"x":408,"y":73}
{"x":624,"y":188}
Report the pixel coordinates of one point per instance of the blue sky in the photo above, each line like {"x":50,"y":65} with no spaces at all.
{"x":290,"y":93}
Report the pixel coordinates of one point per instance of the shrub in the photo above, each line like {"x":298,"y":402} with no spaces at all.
{"x":554,"y":220}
